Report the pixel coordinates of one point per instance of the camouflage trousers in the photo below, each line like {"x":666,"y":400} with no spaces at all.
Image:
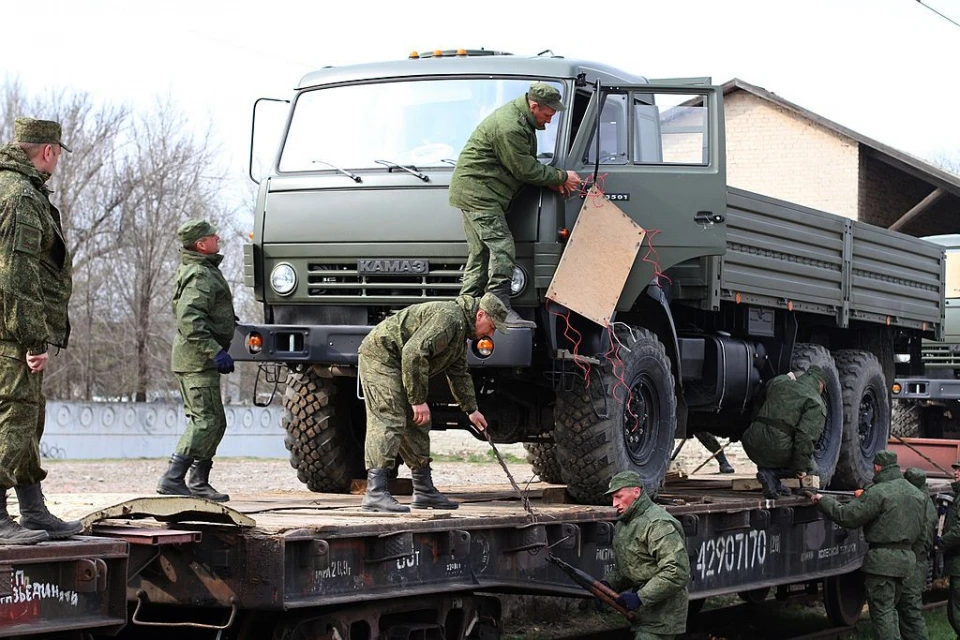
{"x":206,"y":421}
{"x":22,"y":415}
{"x":909,"y":609}
{"x":492,"y":253}
{"x":883,"y":598}
{"x":708,"y":440}
{"x":953,"y":604}
{"x":390,"y":426}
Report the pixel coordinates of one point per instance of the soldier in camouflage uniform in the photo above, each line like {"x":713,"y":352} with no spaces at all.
{"x":891,"y":512}
{"x":949,"y":543}
{"x":203,"y":306}
{"x":712,"y":445}
{"x":498,"y":159}
{"x":397,"y":359}
{"x":910,"y":609}
{"x":782,"y":437}
{"x":651,"y":567}
{"x":36,"y":279}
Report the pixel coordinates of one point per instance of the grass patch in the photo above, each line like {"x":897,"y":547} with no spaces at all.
{"x":478,"y":458}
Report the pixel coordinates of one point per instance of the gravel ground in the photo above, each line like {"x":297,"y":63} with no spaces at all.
{"x":248,"y":475}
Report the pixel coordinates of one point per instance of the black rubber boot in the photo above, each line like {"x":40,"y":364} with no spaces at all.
{"x":377,"y":497}
{"x":725,"y":466}
{"x":513,"y":321}
{"x":172,"y":484}
{"x":769,"y":482}
{"x":198,"y":482}
{"x":35,"y":515}
{"x":425,"y":495}
{"x":13,"y":533}
{"x":783,"y":489}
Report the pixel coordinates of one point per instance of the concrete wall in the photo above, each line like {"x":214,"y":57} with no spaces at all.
{"x":777,"y":153}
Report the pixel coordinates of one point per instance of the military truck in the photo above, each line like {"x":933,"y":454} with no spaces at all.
{"x":730,"y":288}
{"x":926,"y":392}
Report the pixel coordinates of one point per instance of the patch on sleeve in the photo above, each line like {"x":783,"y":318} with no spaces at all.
{"x":27,"y":239}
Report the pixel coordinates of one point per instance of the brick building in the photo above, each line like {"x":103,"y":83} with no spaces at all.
{"x":777,"y":148}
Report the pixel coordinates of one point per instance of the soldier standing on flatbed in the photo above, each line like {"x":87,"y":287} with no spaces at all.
{"x":396,"y":361}
{"x":652,"y":567}
{"x":36,"y":280}
{"x":203,"y":307}
{"x":891,"y":512}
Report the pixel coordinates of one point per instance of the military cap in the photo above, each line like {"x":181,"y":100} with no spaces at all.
{"x":192,"y":230}
{"x":494,"y":307}
{"x":548,"y":96}
{"x":956,"y":465}
{"x":885,"y":459}
{"x":623,"y":480}
{"x":38,"y":131}
{"x":817,"y":373}
{"x":916,"y":477}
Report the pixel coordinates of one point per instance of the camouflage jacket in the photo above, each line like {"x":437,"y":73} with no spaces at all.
{"x":36,"y":270}
{"x":424,"y":340}
{"x":891,"y":512}
{"x":498,"y":159}
{"x":924,"y":544}
{"x":786,"y":429}
{"x":203,"y":307}
{"x":651,"y":558}
{"x":950,"y":540}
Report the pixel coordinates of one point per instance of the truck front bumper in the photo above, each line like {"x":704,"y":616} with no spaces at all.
{"x":338,"y":345}
{"x":926,"y":389}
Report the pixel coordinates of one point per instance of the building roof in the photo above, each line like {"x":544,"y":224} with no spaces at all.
{"x":920,"y":169}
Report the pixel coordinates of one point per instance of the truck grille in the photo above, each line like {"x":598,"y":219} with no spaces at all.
{"x":341,"y":280}
{"x":943,"y":355}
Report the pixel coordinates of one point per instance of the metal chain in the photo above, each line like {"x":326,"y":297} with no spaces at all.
{"x":524,"y":499}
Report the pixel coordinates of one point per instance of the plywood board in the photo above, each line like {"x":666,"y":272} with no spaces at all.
{"x":598,"y":258}
{"x":752,"y":484}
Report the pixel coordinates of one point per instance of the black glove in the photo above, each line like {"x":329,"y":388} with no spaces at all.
{"x":629,"y":600}
{"x":223,"y":362}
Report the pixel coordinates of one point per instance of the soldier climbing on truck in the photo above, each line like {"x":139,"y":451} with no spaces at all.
{"x":729,"y":289}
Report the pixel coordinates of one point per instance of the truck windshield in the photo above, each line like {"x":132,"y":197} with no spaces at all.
{"x":422,"y":123}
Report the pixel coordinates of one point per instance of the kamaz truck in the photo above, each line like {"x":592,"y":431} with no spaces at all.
{"x":926,"y":392}
{"x":729,"y":289}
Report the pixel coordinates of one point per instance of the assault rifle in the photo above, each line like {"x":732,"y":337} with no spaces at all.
{"x":596,"y":588}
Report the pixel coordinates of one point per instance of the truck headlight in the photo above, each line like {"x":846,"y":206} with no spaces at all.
{"x":519,"y":281}
{"x":283,"y":279}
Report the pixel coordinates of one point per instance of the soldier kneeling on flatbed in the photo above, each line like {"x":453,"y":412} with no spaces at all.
{"x":397,"y":359}
{"x":782,"y":437}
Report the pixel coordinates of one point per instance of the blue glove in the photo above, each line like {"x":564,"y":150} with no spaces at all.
{"x":629,"y":600}
{"x":223,"y":362}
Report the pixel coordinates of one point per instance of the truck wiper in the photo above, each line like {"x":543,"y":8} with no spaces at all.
{"x":412,"y":170}
{"x":448,"y":161}
{"x":349,"y":174}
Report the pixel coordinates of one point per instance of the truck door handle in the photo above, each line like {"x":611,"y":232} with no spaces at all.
{"x":708,"y":217}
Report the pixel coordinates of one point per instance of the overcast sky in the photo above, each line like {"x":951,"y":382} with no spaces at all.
{"x":884,"y":68}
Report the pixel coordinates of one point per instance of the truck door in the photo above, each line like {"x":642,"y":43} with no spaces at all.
{"x":660,"y":158}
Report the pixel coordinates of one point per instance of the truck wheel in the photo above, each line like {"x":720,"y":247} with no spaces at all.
{"x":866,"y":417}
{"x":827,"y":451}
{"x":619,"y":422}
{"x":905,"y":419}
{"x":324,"y":440}
{"x":542,"y":456}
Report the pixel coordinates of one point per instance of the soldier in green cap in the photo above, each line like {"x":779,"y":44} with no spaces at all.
{"x":203,"y":307}
{"x":949,"y":543}
{"x":651,"y":568}
{"x":36,"y":280}
{"x":397,"y":359}
{"x":891,"y":512}
{"x":498,"y":159}
{"x":781,"y":438}
{"x":910,"y":608}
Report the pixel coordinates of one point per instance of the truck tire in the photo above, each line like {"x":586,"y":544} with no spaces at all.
{"x":598,"y":435}
{"x":324,"y":443}
{"x":827,"y":451}
{"x":542,"y":457}
{"x":905,"y":419}
{"x":866,"y":417}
